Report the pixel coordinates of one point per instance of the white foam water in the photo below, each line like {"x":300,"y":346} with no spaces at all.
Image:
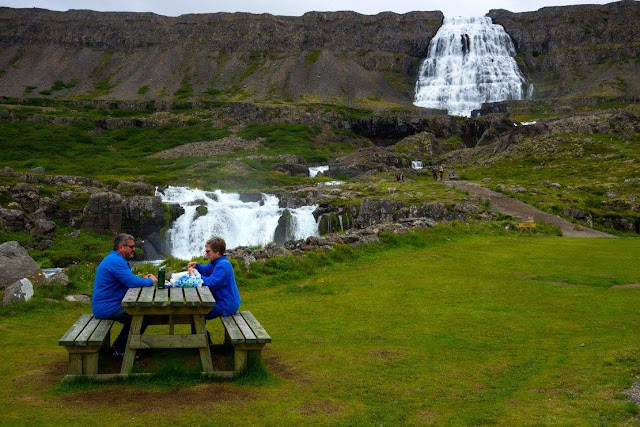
{"x":314,"y":170}
{"x":469,"y":62}
{"x":238,"y":223}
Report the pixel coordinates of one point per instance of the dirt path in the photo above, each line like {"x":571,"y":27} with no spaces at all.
{"x":509,"y":205}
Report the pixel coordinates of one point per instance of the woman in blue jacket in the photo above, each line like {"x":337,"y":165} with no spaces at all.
{"x":218,"y":275}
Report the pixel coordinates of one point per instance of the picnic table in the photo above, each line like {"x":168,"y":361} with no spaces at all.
{"x":169,"y":306}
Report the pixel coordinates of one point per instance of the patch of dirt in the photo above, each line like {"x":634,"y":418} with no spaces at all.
{"x":629,"y":286}
{"x":208,"y":148}
{"x":634,"y":392}
{"x":510,"y":206}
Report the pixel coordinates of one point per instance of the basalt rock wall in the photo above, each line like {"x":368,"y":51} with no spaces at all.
{"x":581,"y":51}
{"x":342,"y":57}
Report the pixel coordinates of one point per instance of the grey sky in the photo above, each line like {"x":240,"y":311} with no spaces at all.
{"x":296,"y":7}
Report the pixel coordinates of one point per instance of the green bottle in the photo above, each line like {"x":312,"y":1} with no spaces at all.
{"x":161,"y":274}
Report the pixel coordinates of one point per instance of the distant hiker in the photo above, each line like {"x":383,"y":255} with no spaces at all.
{"x":398,"y":177}
{"x":435,"y":173}
{"x":113,"y":279}
{"x":441,"y":172}
{"x":401,"y":177}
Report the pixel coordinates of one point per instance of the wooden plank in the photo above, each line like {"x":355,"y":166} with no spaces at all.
{"x":168,"y":341}
{"x":176,"y":295}
{"x":205,"y":352}
{"x":162,"y":298}
{"x":75,"y":363}
{"x":235,"y":336}
{"x":101,"y":332}
{"x":131,"y":297}
{"x":191,"y":297}
{"x":256,"y":327}
{"x":69,"y":338}
{"x":84,"y":336}
{"x":146,"y":296}
{"x":205,"y":296}
{"x":90,"y":362}
{"x":130,"y":353}
{"x":249,"y":336}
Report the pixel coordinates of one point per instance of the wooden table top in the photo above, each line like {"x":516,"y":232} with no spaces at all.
{"x":150,"y":300}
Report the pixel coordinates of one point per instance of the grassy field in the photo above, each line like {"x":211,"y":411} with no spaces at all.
{"x":454,"y":325}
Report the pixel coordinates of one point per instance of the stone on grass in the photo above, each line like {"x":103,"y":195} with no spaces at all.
{"x":20,"y":291}
{"x":84,"y":299}
{"x":16,"y":264}
{"x":57,"y":279}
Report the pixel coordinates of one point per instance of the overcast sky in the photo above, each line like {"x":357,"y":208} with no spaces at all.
{"x":296,"y":7}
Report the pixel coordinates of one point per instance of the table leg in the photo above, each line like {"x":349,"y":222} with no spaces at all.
{"x":130,"y":353}
{"x":171,"y":328}
{"x":205,"y":352}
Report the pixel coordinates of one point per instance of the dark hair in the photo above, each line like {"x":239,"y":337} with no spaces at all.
{"x":217,"y":244}
{"x":121,"y":239}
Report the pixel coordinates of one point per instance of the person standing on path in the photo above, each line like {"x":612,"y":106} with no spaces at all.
{"x":441,"y":172}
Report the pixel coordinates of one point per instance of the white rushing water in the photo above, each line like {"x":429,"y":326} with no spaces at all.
{"x":469,"y":62}
{"x":314,"y":170}
{"x":238,"y":223}
{"x":416,"y":164}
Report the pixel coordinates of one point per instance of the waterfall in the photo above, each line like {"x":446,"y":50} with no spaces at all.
{"x":314,"y":170}
{"x":416,"y":164}
{"x":239,"y":223}
{"x":469,"y":62}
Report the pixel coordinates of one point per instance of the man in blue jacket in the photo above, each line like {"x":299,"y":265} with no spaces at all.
{"x":113,"y":279}
{"x":218,"y":275}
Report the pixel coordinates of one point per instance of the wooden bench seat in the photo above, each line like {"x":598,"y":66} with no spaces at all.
{"x":246,"y":335}
{"x":83,"y":340}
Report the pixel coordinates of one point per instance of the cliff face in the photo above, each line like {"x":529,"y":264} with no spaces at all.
{"x":579,"y":51}
{"x":334,"y":57}
{"x":338,"y":57}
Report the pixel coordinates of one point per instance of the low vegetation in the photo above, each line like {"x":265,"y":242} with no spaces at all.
{"x":529,"y":332}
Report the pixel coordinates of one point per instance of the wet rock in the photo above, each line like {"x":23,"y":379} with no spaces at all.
{"x":19,"y":291}
{"x":43,"y":226}
{"x":284,"y":230}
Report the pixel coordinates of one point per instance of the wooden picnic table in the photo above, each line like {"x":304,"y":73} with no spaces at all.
{"x":168,"y":306}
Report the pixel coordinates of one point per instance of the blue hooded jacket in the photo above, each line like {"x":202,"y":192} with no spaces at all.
{"x":218,"y":275}
{"x":113,"y":279}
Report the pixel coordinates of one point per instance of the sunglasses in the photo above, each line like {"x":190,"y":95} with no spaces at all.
{"x":131,"y":246}
{"x":207,"y":251}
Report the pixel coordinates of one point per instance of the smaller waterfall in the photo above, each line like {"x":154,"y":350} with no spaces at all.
{"x":416,"y":164}
{"x":239,"y":223}
{"x":314,"y":170}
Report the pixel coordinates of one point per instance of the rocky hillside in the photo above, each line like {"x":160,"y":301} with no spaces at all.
{"x":338,"y":58}
{"x":580,"y":51}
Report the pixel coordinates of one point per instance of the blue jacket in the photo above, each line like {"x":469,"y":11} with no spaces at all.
{"x":113,"y":278}
{"x":218,"y":275}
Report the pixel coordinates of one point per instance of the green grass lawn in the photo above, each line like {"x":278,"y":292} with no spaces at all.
{"x":448,"y":328}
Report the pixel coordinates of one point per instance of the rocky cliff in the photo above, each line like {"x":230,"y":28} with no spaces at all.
{"x":336,"y":57}
{"x":584,"y":51}
{"x":339,"y":57}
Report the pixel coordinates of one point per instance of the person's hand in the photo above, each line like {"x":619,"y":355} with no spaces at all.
{"x":151,"y":276}
{"x":191,"y":265}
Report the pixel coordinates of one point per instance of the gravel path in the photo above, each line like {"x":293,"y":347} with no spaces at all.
{"x":509,"y":205}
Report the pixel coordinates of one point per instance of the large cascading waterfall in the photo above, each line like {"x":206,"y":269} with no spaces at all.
{"x":239,"y":223}
{"x":469,"y":62}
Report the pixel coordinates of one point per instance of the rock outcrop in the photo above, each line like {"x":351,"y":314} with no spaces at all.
{"x":16,"y":264}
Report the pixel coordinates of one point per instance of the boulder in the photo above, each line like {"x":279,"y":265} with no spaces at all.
{"x":59,"y":279}
{"x":20,"y":291}
{"x":374,"y":212}
{"x":103,"y":213}
{"x":43,"y":226}
{"x":16,"y":264}
{"x":295,"y":169}
{"x":284,"y":230}
{"x":13,"y":219}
